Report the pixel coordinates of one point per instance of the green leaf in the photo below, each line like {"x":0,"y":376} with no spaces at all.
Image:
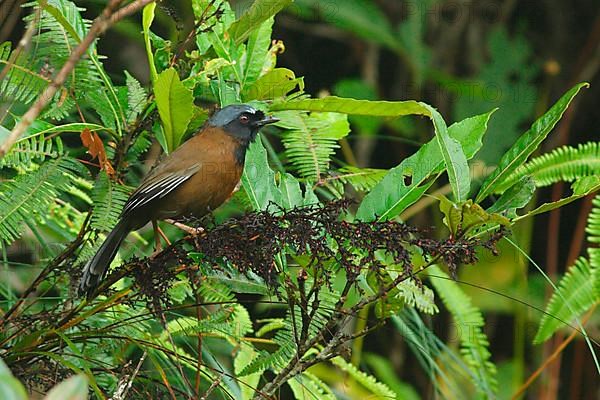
{"x":468,"y":319}
{"x":527,"y":143}
{"x":259,"y":11}
{"x":245,"y":355}
{"x":517,"y":196}
{"x":454,"y":157}
{"x":354,"y":107}
{"x":73,"y":388}
{"x":147,"y":18}
{"x":463,"y":217}
{"x":256,"y":60}
{"x":574,"y":296}
{"x":10,"y":387}
{"x":291,"y":193}
{"x":452,"y":153}
{"x":359,"y":89}
{"x":406,"y":183}
{"x":175,"y":105}
{"x":213,"y":30}
{"x":275,"y":83}
{"x":258,"y":179}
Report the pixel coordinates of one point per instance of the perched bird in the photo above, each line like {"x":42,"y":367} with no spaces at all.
{"x":193,"y":180}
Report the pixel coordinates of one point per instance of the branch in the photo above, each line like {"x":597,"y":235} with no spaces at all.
{"x":108,"y":17}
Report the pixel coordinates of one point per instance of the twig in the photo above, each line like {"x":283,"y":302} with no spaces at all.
{"x":126,"y":382}
{"x":101,"y":24}
{"x":212,"y":387}
{"x":23,"y":43}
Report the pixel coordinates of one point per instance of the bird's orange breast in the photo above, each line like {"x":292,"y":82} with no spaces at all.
{"x":212,"y":184}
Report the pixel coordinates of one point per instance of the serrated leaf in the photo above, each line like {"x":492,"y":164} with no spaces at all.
{"x":527,"y":143}
{"x":406,"y":183}
{"x":461,"y":218}
{"x":175,"y":105}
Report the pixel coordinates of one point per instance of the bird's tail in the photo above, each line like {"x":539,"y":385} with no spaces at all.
{"x":95,"y":269}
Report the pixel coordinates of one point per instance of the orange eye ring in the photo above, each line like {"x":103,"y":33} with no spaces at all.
{"x":244,"y":119}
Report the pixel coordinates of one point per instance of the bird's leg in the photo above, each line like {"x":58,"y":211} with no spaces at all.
{"x":157,"y":243}
{"x":158,"y":233}
{"x":186,"y":228}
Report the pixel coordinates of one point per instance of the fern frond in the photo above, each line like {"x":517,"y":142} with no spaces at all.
{"x":369,"y":382}
{"x":285,"y":337}
{"x":277,"y":359}
{"x":474,"y":342}
{"x":575,"y":294}
{"x":217,"y":322}
{"x":108,"y":199}
{"x":593,"y":223}
{"x":30,"y":194}
{"x":60,"y":28}
{"x":23,"y":82}
{"x":136,"y":97}
{"x":36,"y":148}
{"x":361,"y":179}
{"x":564,"y":164}
{"x":311,"y":139}
{"x":215,"y":291}
{"x":420,"y":297}
{"x":307,"y":386}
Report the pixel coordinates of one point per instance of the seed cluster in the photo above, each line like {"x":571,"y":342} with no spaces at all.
{"x":328,"y":242}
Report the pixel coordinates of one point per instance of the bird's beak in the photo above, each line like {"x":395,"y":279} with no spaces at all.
{"x":265,"y":121}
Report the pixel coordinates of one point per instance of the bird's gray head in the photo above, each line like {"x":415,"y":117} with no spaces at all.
{"x":241,"y":121}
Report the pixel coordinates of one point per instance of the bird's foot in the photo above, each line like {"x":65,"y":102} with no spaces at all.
{"x":186,"y":228}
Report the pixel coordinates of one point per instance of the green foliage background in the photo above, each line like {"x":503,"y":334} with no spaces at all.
{"x":384,"y":141}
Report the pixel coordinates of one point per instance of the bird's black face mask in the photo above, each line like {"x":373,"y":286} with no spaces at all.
{"x":241,"y":121}
{"x":247,"y":125}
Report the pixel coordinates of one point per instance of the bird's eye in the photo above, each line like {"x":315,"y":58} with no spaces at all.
{"x":244,"y":119}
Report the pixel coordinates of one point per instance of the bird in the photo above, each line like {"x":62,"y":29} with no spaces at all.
{"x":193,"y":180}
